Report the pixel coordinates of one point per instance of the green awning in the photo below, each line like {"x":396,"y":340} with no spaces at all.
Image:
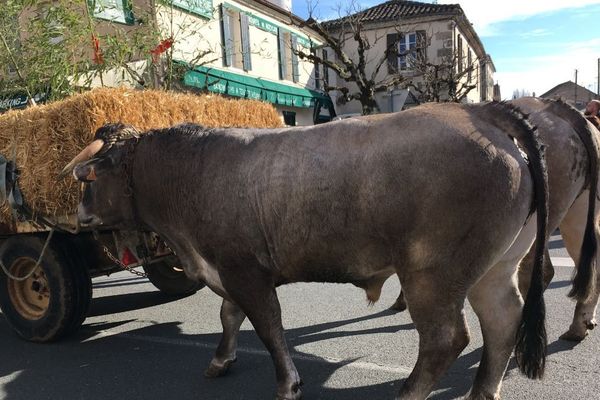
{"x":238,"y":85}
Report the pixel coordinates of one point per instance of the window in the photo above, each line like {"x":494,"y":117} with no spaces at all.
{"x":112,"y":10}
{"x":412,"y":47}
{"x":289,"y":118}
{"x":407,"y":53}
{"x":288,"y":59}
{"x":235,"y":30}
{"x":204,"y":8}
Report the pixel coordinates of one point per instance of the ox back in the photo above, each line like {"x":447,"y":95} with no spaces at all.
{"x":346,"y":202}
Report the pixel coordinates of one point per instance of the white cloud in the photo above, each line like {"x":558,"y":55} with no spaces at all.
{"x":540,"y":74}
{"x":483,"y":14}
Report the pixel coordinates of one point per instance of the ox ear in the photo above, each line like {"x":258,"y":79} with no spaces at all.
{"x":85,"y":173}
{"x":85,"y":154}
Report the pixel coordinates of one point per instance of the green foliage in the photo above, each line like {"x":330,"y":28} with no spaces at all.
{"x":48,"y":47}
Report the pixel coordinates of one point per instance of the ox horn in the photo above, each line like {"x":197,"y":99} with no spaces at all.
{"x":84,"y":155}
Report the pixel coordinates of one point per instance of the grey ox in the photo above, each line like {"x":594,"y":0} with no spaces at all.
{"x":572,"y":164}
{"x":437,"y":195}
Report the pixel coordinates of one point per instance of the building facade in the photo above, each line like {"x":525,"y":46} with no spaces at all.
{"x":440,"y":32}
{"x":239,"y":48}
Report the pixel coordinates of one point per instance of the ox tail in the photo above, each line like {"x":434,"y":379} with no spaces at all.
{"x":531,"y":339}
{"x":584,"y":280}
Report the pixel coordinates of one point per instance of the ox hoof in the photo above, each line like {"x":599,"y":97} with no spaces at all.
{"x":591,"y":324}
{"x":572,"y":336}
{"x":294,"y":394}
{"x":398,"y":306}
{"x":481,"y":396}
{"x":216,"y":370}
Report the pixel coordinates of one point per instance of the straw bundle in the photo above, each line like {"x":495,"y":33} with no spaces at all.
{"x":45,"y":138}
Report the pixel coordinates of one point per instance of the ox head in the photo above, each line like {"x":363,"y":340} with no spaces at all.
{"x":102,"y":167}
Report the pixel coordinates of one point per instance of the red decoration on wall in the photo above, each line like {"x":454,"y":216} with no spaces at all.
{"x":98,"y":57}
{"x":161,"y":48}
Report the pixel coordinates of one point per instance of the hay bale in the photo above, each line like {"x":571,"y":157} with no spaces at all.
{"x":47,"y":137}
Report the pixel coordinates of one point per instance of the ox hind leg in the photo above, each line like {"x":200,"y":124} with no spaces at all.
{"x":572,"y":230}
{"x":436,"y":308}
{"x":498,"y":304}
{"x":232,"y":317}
{"x":254,"y":292}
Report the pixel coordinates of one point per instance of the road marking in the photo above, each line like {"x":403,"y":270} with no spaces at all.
{"x":562,"y":261}
{"x":360,"y":365}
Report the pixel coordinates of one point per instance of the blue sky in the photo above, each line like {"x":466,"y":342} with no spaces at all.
{"x":535,"y":44}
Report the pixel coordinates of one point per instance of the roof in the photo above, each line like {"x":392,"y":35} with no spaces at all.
{"x":567,"y":90}
{"x":396,"y":9}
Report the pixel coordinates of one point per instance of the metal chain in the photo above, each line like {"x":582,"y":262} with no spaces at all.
{"x":37,"y":264}
{"x":120,"y":264}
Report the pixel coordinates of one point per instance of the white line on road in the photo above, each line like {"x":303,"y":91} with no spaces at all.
{"x":361,"y":365}
{"x":562,"y":261}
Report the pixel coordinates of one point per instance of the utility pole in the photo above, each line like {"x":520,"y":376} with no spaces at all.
{"x":575,"y":99}
{"x":598,"y":91}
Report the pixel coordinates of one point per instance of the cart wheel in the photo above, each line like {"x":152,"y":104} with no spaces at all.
{"x":43,"y":307}
{"x":83,"y":286}
{"x":170,"y":279}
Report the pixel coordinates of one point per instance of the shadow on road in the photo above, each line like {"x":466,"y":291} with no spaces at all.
{"x":129,"y":302}
{"x":169,"y":363}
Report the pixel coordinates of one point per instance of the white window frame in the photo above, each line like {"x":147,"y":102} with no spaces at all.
{"x":112,"y":10}
{"x":406,"y":42}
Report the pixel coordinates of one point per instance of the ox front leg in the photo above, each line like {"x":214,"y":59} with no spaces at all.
{"x":231,"y":318}
{"x":436,"y":309}
{"x":254,"y":292}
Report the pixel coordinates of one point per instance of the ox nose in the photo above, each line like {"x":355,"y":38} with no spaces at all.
{"x":85,"y":218}
{"x":84,"y":173}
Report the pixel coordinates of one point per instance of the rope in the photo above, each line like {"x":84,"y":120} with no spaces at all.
{"x":37,"y":264}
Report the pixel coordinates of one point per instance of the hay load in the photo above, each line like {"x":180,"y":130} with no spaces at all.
{"x":45,"y":138}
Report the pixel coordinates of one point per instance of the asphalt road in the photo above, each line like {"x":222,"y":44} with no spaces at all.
{"x":138,"y":344}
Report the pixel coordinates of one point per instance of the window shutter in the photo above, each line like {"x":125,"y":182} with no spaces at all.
{"x":325,"y":70}
{"x":295,"y":72}
{"x":317,"y":70}
{"x":245,"y":33}
{"x":392,"y":46}
{"x":421,"y":46}
{"x":282,"y":60}
{"x":226,"y":34}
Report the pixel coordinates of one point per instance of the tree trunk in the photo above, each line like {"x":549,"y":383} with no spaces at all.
{"x":369,"y":105}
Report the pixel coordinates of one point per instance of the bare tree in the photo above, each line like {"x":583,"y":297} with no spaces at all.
{"x":362,"y":69}
{"x":449,"y":79}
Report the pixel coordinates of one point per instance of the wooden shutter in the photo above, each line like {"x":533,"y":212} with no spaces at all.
{"x":325,"y":70}
{"x":392,"y":47}
{"x":245,"y":34}
{"x":317,"y":70}
{"x":226,"y":35}
{"x":295,"y":71}
{"x":421,"y":46}
{"x":281,"y":49}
